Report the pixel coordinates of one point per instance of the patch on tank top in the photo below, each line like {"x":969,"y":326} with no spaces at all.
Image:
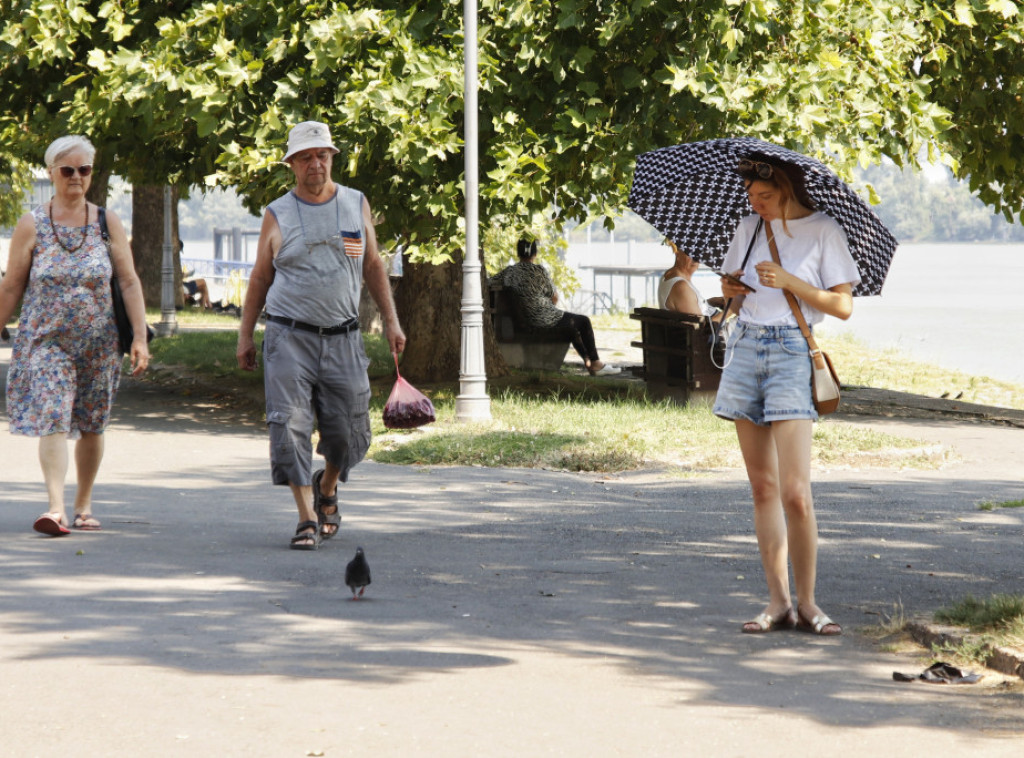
{"x":353,"y":244}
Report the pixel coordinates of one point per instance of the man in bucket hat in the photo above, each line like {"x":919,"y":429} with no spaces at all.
{"x":317,"y":246}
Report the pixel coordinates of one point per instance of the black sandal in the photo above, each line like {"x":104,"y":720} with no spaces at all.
{"x":321,"y":501}
{"x":303,"y":539}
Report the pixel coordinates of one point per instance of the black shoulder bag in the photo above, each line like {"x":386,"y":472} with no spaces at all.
{"x":125,"y":333}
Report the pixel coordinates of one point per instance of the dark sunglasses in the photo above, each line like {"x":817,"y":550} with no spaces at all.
{"x":762,"y":169}
{"x":69,"y":171}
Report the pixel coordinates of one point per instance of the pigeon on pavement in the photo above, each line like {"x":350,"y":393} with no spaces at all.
{"x":357,"y":574}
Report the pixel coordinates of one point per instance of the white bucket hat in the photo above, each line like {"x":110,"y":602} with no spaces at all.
{"x":308,"y":134}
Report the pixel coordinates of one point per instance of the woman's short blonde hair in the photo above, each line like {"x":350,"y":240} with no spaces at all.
{"x":64,"y":145}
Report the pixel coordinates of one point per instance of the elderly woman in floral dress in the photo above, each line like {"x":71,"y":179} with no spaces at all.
{"x":66,"y":365}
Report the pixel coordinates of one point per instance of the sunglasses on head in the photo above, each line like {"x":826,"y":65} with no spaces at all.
{"x":762,"y":169}
{"x":69,"y":171}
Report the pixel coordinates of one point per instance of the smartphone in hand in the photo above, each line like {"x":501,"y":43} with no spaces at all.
{"x":736,"y":281}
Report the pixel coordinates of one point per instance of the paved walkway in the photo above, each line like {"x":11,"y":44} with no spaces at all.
{"x":512,"y":612}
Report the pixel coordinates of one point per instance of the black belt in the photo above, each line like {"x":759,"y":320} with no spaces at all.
{"x":324,"y":331}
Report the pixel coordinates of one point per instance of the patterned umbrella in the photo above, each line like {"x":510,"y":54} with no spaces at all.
{"x":692,"y":194}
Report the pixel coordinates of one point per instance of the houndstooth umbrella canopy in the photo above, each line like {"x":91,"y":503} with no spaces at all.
{"x":692,"y":194}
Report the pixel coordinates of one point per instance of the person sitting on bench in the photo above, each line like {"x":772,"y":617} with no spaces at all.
{"x":192,"y":284}
{"x":198,"y":287}
{"x":676,"y":291}
{"x":535,"y":299}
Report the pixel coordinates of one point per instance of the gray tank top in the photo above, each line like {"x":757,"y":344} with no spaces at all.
{"x":319,"y":268}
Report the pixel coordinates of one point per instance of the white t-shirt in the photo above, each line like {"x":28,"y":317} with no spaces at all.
{"x":817,"y":252}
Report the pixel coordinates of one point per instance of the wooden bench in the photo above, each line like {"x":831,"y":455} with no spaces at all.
{"x":677,"y":355}
{"x":519,"y":347}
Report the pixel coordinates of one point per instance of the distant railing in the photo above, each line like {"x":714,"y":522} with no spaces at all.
{"x":234,"y":244}
{"x":226,"y":280}
{"x":609,"y":276}
{"x":218,"y":271}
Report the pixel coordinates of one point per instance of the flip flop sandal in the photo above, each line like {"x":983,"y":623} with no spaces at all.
{"x":307,"y":536}
{"x":320,"y":502}
{"x":940,"y":673}
{"x":51,"y":526}
{"x":86,"y":523}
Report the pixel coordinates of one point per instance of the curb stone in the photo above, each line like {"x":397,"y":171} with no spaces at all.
{"x":1005,"y":660}
{"x":870,"y":401}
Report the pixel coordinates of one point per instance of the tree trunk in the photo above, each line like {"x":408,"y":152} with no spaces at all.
{"x":429,"y":301}
{"x":369,"y":314}
{"x":148,"y":242}
{"x":100,"y":184}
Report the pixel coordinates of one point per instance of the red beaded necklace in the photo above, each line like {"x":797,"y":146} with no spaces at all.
{"x":85,"y":231}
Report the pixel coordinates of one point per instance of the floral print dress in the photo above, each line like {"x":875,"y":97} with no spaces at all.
{"x":65,"y":363}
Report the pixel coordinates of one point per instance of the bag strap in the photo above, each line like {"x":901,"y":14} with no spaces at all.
{"x":104,"y":231}
{"x":101,"y":213}
{"x":791,"y":299}
{"x":746,"y":257}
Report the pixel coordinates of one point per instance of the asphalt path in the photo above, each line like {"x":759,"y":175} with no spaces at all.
{"x":511,"y":612}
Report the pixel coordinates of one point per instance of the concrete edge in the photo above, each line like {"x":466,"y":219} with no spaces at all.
{"x":1009,"y":661}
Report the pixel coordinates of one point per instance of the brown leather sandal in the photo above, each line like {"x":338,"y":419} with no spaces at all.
{"x":330,"y":523}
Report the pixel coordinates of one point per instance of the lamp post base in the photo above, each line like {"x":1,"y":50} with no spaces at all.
{"x":473,"y":407}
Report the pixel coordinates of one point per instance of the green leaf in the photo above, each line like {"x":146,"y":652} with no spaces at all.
{"x":963,"y":12}
{"x":97,"y":59}
{"x":1006,"y":8}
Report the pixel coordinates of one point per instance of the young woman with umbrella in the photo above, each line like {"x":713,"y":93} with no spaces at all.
{"x":766,"y":384}
{"x":831,"y":245}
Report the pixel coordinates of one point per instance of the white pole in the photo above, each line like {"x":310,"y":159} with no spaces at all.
{"x":168,"y":323}
{"x":473,"y":402}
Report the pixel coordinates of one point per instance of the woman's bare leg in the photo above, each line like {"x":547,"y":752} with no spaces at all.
{"x":53,"y":459}
{"x":759,"y":455}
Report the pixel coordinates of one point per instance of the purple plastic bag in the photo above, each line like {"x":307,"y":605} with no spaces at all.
{"x":407,"y":407}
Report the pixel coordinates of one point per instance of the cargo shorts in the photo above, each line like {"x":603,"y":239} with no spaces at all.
{"x":313,"y":380}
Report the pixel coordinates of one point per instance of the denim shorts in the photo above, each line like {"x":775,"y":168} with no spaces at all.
{"x":767,"y":376}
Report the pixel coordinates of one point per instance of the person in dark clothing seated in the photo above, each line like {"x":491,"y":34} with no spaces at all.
{"x":535,"y":297}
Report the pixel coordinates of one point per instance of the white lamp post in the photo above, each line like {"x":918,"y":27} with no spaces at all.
{"x":472,"y":402}
{"x":168,"y":323}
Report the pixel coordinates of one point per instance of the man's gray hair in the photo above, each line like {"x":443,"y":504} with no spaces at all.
{"x":64,"y":145}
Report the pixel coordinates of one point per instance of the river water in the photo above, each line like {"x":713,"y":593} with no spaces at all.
{"x":958,"y":306}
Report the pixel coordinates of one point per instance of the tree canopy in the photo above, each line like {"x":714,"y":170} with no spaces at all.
{"x":192,"y":91}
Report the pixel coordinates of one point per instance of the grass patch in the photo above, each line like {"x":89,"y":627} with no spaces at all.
{"x":889,"y":369}
{"x":970,"y":650}
{"x":996,"y":621}
{"x":984,"y":615}
{"x":195,"y":316}
{"x":582,"y":428}
{"x":841,"y":445}
{"x":211,"y":353}
{"x":561,"y":421}
{"x":894,"y":622}
{"x":561,"y":430}
{"x":989,"y":505}
{"x":891,"y":624}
